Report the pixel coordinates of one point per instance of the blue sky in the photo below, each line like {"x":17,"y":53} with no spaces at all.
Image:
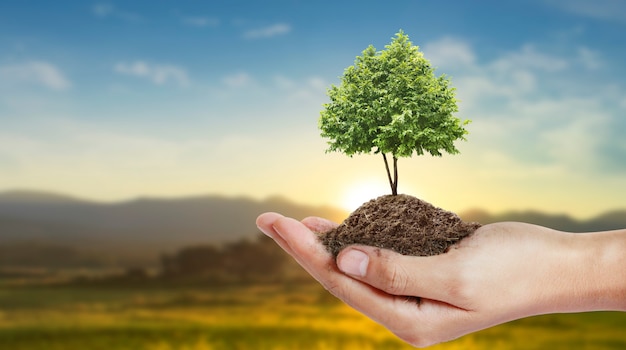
{"x":113,"y":100}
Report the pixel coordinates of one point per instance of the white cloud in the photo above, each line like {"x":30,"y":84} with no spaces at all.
{"x":539,"y":131}
{"x":200,"y":21}
{"x":107,"y":162}
{"x":311,"y":83}
{"x":104,"y":10}
{"x":284,"y":82}
{"x":577,"y":142}
{"x":590,"y":59}
{"x":238,"y":80}
{"x":518,"y":75}
{"x":449,"y":52}
{"x":73,"y":156}
{"x":498,"y":165}
{"x":268,"y":32}
{"x":530,"y":57}
{"x":318,"y":83}
{"x":534,"y":106}
{"x":308,"y":89}
{"x":158,"y":74}
{"x":34,"y":73}
{"x":599,"y":9}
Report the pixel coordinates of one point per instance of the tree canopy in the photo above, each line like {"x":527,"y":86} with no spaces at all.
{"x":391,"y":102}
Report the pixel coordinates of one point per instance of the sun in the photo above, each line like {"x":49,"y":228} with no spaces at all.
{"x":362,"y":191}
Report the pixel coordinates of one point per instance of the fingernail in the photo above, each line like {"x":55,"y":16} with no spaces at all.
{"x":353,"y":262}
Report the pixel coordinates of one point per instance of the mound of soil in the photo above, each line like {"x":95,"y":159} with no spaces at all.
{"x":402,"y":223}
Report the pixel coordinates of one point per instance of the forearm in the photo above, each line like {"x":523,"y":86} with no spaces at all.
{"x":597,"y":272}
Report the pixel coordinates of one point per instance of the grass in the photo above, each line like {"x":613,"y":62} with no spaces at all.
{"x":304,"y":316}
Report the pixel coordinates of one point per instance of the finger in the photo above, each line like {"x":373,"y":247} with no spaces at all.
{"x":313,"y":257}
{"x":427,"y":277}
{"x":265,"y":223}
{"x":296,"y":233}
{"x":306,"y":247}
{"x":319,"y":225}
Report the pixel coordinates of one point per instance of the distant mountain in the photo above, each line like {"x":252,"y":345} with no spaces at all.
{"x":35,"y":197}
{"x":36,"y":224}
{"x":609,"y":221}
{"x":137,"y":230}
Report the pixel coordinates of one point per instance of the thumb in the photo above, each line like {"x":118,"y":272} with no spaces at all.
{"x":397,"y":274}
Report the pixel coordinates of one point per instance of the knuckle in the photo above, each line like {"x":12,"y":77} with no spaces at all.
{"x":459,"y":287}
{"x":395,"y":279}
{"x":332,"y":285}
{"x":397,"y":282}
{"x":333,"y":288}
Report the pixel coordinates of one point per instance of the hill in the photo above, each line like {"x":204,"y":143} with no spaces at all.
{"x":47,"y":229}
{"x":131,"y":232}
{"x":612,"y":220}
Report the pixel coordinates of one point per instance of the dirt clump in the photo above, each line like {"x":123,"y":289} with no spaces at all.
{"x":402,"y":223}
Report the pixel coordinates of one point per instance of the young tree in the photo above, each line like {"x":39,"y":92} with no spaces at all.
{"x":391,"y":102}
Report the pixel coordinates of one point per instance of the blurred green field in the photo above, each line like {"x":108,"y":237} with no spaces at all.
{"x":276,"y":316}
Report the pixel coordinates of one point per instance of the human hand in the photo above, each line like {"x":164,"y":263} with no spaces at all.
{"x":504,"y":271}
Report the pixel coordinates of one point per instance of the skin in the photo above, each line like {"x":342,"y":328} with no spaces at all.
{"x":504,"y":271}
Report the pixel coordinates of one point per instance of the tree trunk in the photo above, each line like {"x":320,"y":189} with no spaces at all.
{"x":393,"y":182}
{"x":394,"y":191}
{"x":388,"y":172}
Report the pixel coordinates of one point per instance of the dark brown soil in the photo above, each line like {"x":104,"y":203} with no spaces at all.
{"x":402,"y":223}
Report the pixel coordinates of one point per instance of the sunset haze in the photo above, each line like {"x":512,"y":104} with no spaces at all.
{"x":110,"y":101}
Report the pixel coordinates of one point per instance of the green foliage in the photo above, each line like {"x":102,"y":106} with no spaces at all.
{"x":392,"y":102}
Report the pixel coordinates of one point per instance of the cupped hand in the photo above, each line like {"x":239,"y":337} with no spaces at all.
{"x":502,"y":272}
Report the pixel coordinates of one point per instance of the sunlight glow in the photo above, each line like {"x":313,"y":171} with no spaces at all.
{"x":362,"y":191}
